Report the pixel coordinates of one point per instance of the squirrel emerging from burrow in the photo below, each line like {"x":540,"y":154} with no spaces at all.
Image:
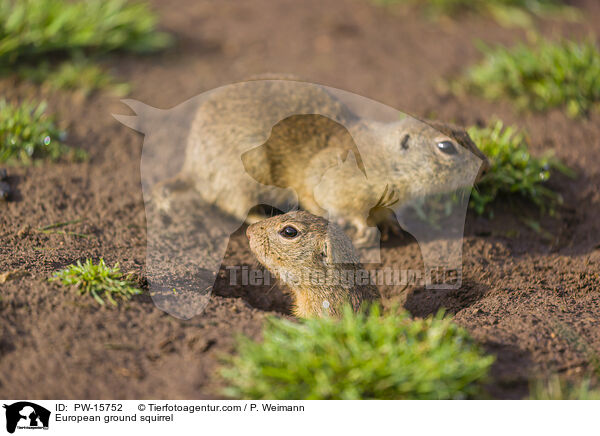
{"x":316,"y":260}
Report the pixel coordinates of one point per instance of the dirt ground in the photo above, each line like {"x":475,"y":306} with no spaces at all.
{"x":532,"y":301}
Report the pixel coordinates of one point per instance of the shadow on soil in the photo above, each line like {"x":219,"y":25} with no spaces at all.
{"x":509,"y":373}
{"x":421,"y":302}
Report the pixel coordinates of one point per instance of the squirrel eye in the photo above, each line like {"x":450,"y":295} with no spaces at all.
{"x":404,"y":142}
{"x":288,"y":232}
{"x":447,"y":147}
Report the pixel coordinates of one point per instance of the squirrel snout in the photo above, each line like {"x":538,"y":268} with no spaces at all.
{"x":253,"y":229}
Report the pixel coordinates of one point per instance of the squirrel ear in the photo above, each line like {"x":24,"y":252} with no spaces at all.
{"x":327,"y":251}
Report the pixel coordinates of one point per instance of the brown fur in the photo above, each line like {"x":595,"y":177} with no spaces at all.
{"x":251,"y":139}
{"x":311,"y":263}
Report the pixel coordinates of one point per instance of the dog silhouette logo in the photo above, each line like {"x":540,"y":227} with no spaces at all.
{"x":26,"y":415}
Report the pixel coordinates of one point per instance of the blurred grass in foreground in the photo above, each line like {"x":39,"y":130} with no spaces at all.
{"x":361,"y":356}
{"x":557,"y":388}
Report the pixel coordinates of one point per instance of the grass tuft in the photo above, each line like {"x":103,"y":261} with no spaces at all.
{"x":505,"y":12}
{"x":513,"y":170}
{"x":80,"y":75}
{"x":362,"y":356}
{"x":27,"y":133}
{"x":50,"y":40}
{"x":99,"y":281}
{"x":540,"y":76}
{"x":33,"y":29}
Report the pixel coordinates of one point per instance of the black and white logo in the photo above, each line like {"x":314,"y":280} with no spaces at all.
{"x":26,"y":415}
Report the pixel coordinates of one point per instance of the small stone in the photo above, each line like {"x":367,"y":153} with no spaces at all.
{"x":4,"y":191}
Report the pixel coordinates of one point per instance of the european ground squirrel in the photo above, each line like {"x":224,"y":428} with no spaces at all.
{"x":305,"y":251}
{"x":250,"y":140}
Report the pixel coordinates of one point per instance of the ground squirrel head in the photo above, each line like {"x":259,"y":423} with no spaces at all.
{"x":427,"y":157}
{"x":315,"y":259}
{"x":297,"y":242}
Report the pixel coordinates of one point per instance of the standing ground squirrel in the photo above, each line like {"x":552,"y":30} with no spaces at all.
{"x":250,"y":140}
{"x":304,"y":251}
